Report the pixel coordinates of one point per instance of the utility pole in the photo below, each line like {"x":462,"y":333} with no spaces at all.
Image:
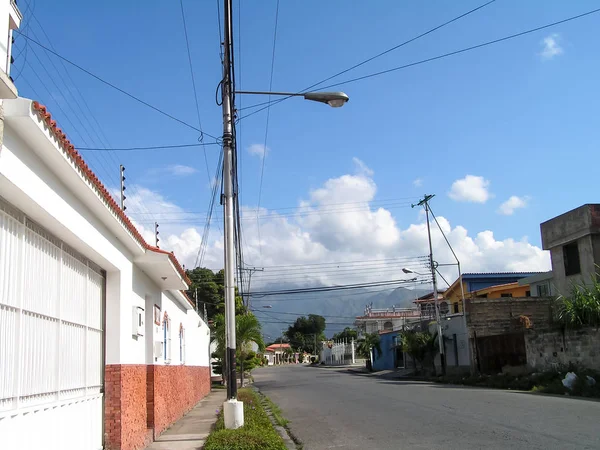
{"x":156,"y":239}
{"x":122,"y":178}
{"x":250,"y":271}
{"x":425,"y":204}
{"x":233,"y":410}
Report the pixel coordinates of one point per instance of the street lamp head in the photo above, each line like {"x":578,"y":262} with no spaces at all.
{"x":333,"y":99}
{"x":405,"y":270}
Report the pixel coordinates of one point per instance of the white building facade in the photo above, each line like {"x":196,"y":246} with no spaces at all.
{"x":99,"y":345}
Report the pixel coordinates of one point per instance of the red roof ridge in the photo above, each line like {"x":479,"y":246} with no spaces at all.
{"x":70,"y":150}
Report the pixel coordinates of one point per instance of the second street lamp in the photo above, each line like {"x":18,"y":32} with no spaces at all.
{"x":333,"y":99}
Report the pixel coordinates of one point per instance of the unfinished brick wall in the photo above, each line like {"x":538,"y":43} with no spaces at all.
{"x":551,"y":349}
{"x":125,"y":407}
{"x":490,"y":317}
{"x":176,"y":389}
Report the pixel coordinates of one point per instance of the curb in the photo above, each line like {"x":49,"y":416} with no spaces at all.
{"x":290,"y":441}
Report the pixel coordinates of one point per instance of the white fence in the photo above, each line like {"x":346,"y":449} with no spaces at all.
{"x":338,"y":353}
{"x":51,"y":340}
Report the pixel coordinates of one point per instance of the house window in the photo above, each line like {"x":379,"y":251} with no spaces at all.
{"x":444,"y":308}
{"x":542,"y":290}
{"x":167,"y":339}
{"x":527,"y":293}
{"x":571,"y":259}
{"x":388,"y":326}
{"x":506,"y":295}
{"x":455,"y":307}
{"x":181,"y":344}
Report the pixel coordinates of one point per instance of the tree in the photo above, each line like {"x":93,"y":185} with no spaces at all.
{"x":306,"y":334}
{"x":211,"y":291}
{"x":369,"y":346}
{"x":420,"y":345}
{"x":347,"y":334}
{"x":248,"y":330}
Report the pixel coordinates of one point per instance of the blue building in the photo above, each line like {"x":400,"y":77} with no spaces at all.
{"x":391,"y":354}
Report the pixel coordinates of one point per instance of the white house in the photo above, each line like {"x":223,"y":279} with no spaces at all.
{"x":99,"y":346}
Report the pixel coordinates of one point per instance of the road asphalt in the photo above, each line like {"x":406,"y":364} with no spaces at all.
{"x":333,"y":408}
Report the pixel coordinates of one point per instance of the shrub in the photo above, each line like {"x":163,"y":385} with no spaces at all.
{"x":582,"y":307}
{"x":256,"y":434}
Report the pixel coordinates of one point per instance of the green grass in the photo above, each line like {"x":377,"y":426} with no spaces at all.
{"x":256,"y":434}
{"x":275,"y":410}
{"x":545,"y":382}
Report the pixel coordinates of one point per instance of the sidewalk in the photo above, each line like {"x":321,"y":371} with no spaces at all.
{"x":190,"y":432}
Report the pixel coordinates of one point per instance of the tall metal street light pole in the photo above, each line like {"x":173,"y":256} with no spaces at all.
{"x":425,"y":204}
{"x":233,"y":410}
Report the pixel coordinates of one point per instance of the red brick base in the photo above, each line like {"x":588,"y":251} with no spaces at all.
{"x":176,"y":390}
{"x":142,"y":401}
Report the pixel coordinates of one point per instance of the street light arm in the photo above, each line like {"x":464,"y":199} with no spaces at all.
{"x":333,"y":99}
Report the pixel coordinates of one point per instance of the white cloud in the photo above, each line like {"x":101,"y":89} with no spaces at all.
{"x":470,"y":189}
{"x":362,"y":168}
{"x":336,"y":223}
{"x":509,"y":206}
{"x":258,"y":150}
{"x":417,"y":182}
{"x":179,"y":170}
{"x":551,"y":46}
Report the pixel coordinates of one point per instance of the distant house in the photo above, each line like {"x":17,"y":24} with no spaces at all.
{"x":472,"y":282}
{"x":426,"y":305}
{"x":540,"y":284}
{"x":507,"y":290}
{"x":573,"y":239}
{"x":275,"y":353}
{"x":385,"y":319}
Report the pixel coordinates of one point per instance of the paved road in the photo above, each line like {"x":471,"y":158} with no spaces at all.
{"x":335,"y":409}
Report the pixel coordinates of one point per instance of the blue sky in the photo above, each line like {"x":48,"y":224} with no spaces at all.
{"x":524,"y":122}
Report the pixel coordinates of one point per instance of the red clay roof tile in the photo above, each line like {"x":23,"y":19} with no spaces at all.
{"x":69,"y":148}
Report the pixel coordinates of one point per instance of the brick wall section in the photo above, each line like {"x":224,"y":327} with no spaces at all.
{"x":176,"y":390}
{"x":490,"y":317}
{"x":546,"y":350}
{"x":125,"y":424}
{"x":112,"y":407}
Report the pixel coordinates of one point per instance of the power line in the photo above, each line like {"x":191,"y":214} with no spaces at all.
{"x":122,"y":91}
{"x":331,"y":288}
{"x":385,"y":52}
{"x":435,"y":58}
{"x":155,"y":147}
{"x":189,"y":54}
{"x":264,"y":155}
{"x":467,"y":49}
{"x":305,"y":314}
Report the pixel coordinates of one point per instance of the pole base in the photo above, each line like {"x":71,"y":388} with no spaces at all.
{"x":233,"y":413}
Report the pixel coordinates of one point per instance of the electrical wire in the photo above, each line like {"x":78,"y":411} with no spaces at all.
{"x":332,"y":288}
{"x":264,"y":155}
{"x":463,"y":50}
{"x":155,"y":147}
{"x":385,"y":52}
{"x":107,"y":83}
{"x":435,"y":58}
{"x":189,"y":54}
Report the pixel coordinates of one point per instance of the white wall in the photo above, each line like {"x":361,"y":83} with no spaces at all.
{"x":29,"y":184}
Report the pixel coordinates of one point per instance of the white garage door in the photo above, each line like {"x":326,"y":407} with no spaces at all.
{"x":51,"y":340}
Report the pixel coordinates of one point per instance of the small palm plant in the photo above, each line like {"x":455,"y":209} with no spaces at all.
{"x":582,"y":307}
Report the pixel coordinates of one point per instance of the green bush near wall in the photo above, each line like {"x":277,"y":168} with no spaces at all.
{"x":256,"y":434}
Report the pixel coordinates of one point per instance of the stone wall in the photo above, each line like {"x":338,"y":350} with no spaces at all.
{"x":491,"y":317}
{"x":551,"y":349}
{"x":125,"y":407}
{"x":143,"y":401}
{"x":176,"y":389}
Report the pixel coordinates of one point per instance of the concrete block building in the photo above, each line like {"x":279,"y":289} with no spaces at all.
{"x":573,"y":239}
